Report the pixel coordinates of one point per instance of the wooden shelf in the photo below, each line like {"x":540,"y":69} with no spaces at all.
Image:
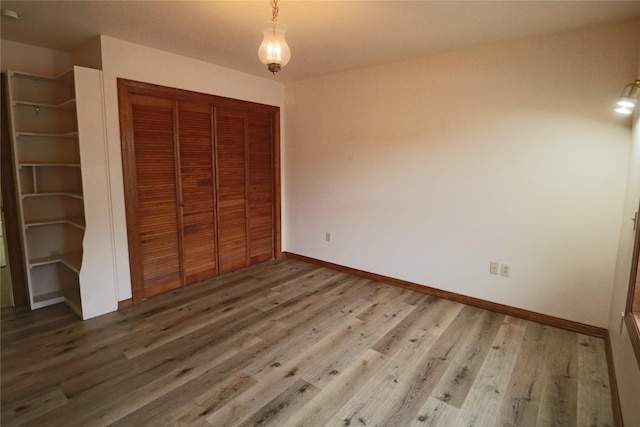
{"x":71,"y":296}
{"x":53,"y":193}
{"x":76,"y":221}
{"x":69,"y":105}
{"x":47,"y":135}
{"x":43,"y":164}
{"x":37,"y":262}
{"x":72,"y":260}
{"x":50,"y":298}
{"x":65,"y":78}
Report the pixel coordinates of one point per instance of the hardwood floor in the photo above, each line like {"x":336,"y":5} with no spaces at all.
{"x":286,"y":343}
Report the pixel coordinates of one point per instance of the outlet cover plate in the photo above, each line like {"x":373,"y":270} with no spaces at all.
{"x":505,"y":270}
{"x":494,"y":267}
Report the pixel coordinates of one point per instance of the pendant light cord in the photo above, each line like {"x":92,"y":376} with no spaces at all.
{"x":275,"y":9}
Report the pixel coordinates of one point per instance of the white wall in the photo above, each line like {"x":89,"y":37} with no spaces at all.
{"x":427,"y":170}
{"x":627,"y":372}
{"x":130,"y":61}
{"x":33,"y":59}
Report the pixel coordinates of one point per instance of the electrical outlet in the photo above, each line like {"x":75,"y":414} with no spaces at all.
{"x":505,"y":270}
{"x":494,"y":267}
{"x":327,"y":236}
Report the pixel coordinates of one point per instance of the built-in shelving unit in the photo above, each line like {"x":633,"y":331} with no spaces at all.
{"x":58,"y":133}
{"x":47,"y":158}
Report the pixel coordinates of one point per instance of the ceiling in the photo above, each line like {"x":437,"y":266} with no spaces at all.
{"x":325,"y":36}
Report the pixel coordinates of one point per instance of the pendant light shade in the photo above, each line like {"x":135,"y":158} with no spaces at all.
{"x":274,"y":51}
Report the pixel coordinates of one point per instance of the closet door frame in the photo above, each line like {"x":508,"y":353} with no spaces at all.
{"x":126,"y":88}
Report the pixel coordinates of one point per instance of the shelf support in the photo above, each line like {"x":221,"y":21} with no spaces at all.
{"x":35,"y":181}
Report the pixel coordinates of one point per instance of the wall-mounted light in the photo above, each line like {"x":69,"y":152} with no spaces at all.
{"x":274,"y":52}
{"x":627,"y":101}
{"x":11,"y":14}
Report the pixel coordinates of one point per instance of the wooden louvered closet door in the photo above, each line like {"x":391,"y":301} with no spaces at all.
{"x":260,"y":186}
{"x":197,"y":170}
{"x":156,"y":193}
{"x":201,"y":185}
{"x":174,"y":162}
{"x":232,"y":197}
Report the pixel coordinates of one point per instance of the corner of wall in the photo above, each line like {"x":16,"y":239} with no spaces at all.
{"x":89,"y":53}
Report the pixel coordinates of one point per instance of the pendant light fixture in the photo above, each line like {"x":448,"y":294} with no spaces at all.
{"x":274,"y":52}
{"x":627,"y":102}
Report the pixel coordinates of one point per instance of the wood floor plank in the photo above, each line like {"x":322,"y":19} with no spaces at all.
{"x":332,"y":354}
{"x":307,"y":332}
{"x":20,"y":322}
{"x":190,"y":403}
{"x":485,"y":397}
{"x":84,"y":340}
{"x":558,"y":404}
{"x":59,"y":358}
{"x":279,"y":409}
{"x":248,"y":403}
{"x":287,"y":343}
{"x":239,"y":320}
{"x":434,"y":315}
{"x":143,"y":383}
{"x":126,"y":403}
{"x":307,"y":284}
{"x":594,"y":395}
{"x":521,"y":401}
{"x":122,"y":371}
{"x":289,"y":349}
{"x":174,"y":327}
{"x":436,"y":413}
{"x":319,"y":410}
{"x":38,"y":404}
{"x":395,"y":395}
{"x":302,"y":363}
{"x":331,"y":299}
{"x":432,"y":369}
{"x":382,"y":298}
{"x":454,"y":386}
{"x":209,"y":394}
